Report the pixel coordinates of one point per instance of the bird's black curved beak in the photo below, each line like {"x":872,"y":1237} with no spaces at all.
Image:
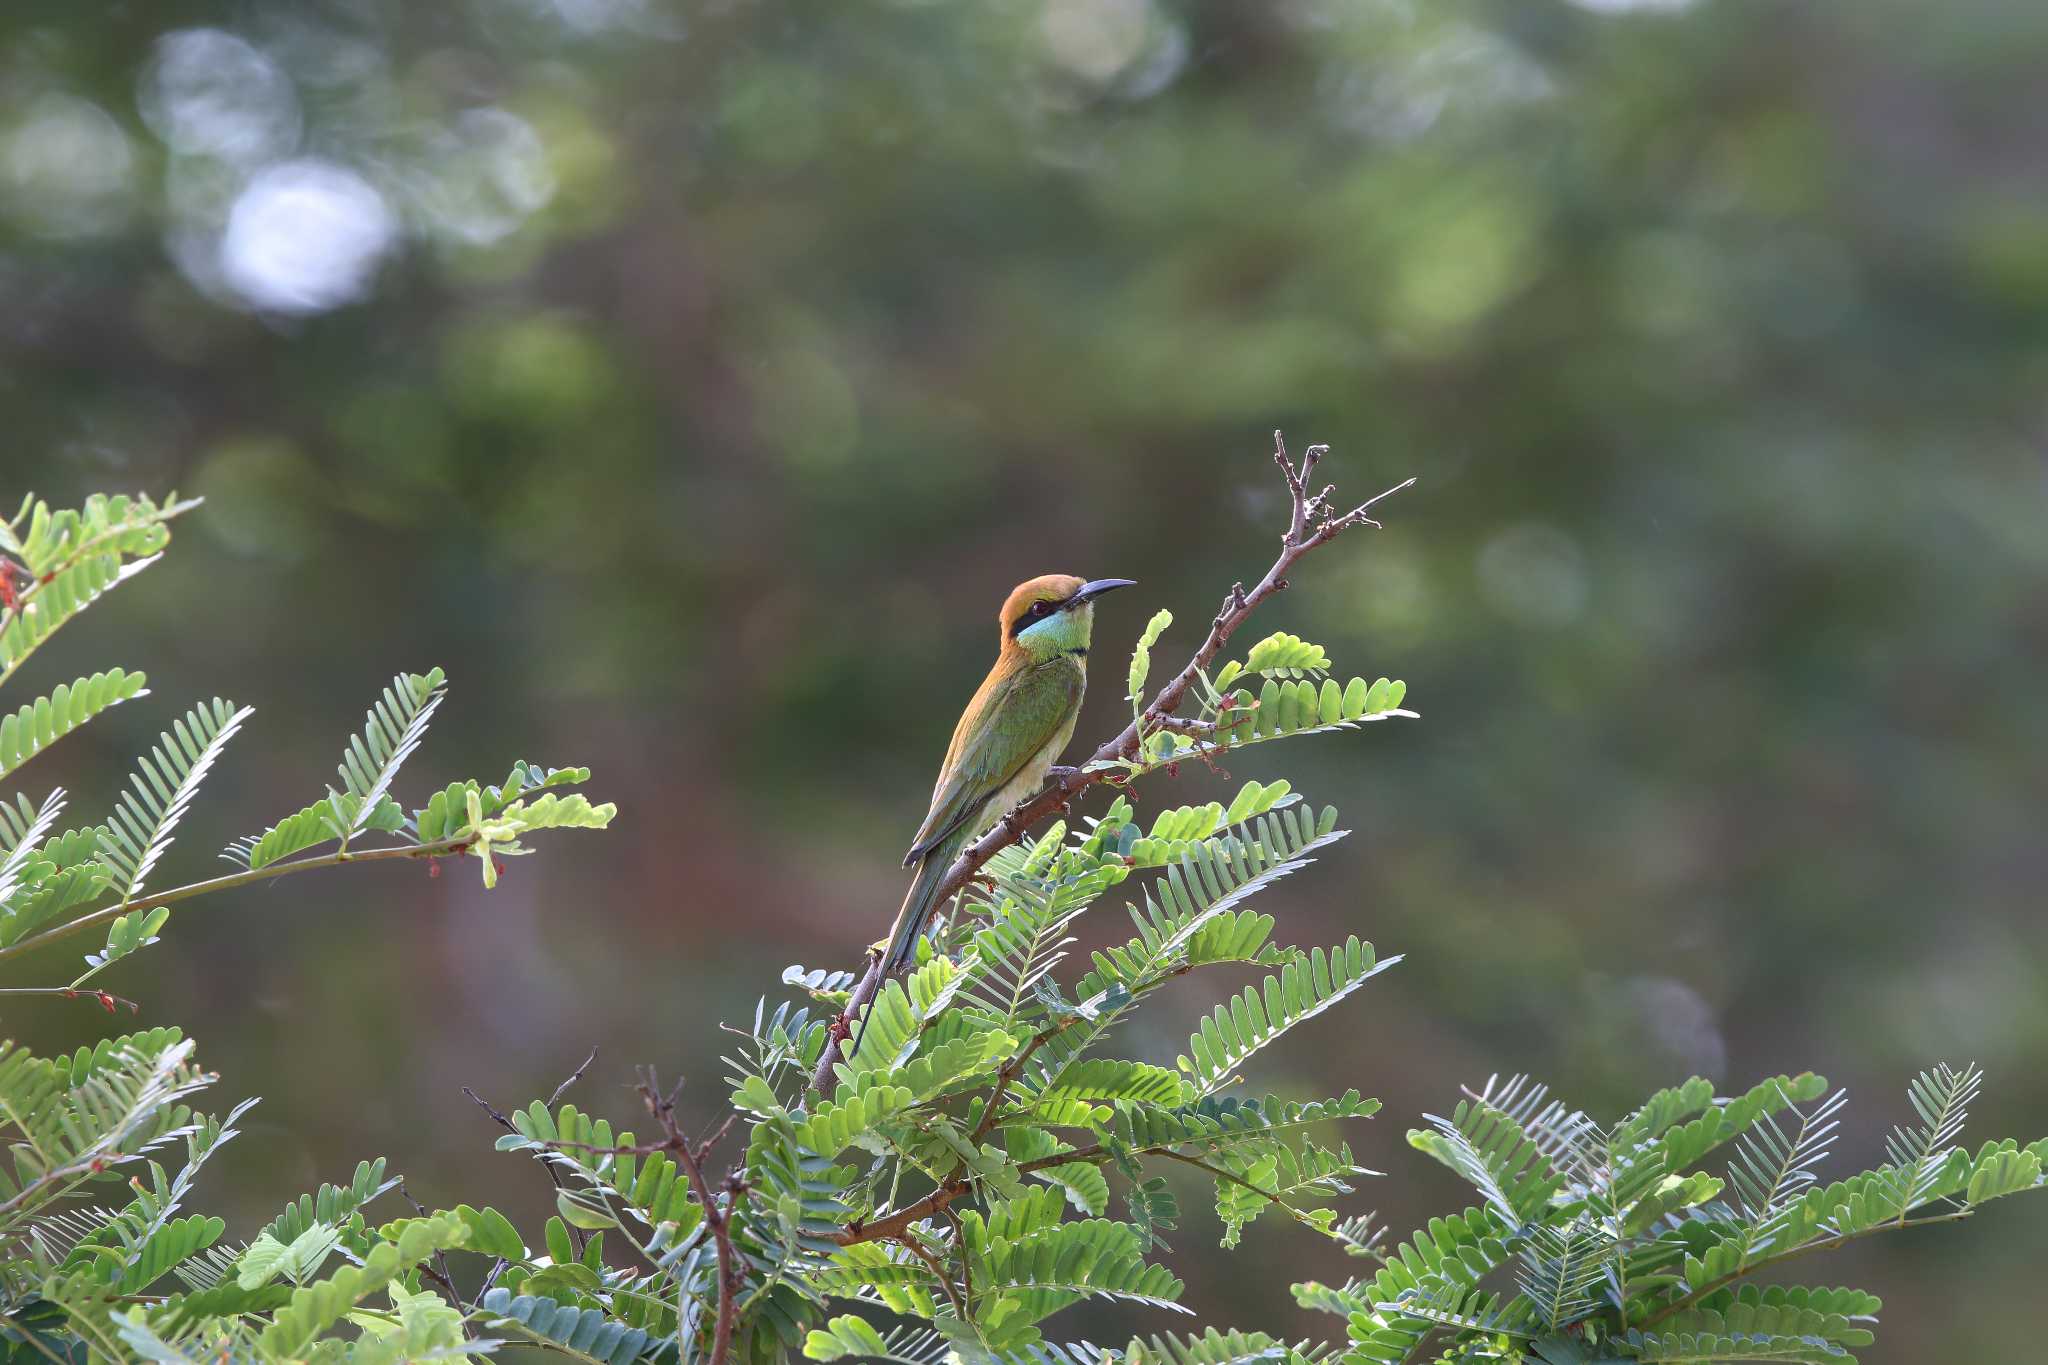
{"x":1090,"y":591}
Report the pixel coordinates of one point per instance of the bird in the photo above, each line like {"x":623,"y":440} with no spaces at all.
{"x":1018,"y":722}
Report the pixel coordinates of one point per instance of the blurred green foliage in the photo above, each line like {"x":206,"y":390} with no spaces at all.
{"x":694,"y":377}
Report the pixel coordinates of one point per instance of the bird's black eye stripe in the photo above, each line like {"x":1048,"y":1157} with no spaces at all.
{"x":1033,"y":614}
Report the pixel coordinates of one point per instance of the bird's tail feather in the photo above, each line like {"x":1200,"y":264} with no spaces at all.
{"x":917,"y":909}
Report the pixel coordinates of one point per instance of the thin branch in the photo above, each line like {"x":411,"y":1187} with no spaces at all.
{"x":1228,"y":1177}
{"x":1011,"y":1070}
{"x":106,"y":1000}
{"x":1312,"y":523}
{"x":106,"y":913}
{"x":578,"y":1235}
{"x":835,"y":1037}
{"x":441,"y":1275}
{"x":717,"y":1218}
{"x":574,"y":1077}
{"x":966,"y":1260}
{"x":892,"y":1226}
{"x":931,"y":1263}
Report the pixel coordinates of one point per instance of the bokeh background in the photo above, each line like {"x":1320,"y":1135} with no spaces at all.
{"x":692,"y":379}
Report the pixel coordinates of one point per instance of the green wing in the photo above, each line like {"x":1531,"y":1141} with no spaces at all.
{"x":1022,"y":715}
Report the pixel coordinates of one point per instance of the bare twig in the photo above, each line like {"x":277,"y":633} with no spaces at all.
{"x":442,"y":1276}
{"x":578,"y":1235}
{"x":717,"y":1217}
{"x":574,"y":1077}
{"x":1312,"y":522}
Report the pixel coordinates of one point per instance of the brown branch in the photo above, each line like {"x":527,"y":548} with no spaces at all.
{"x":931,"y":1263}
{"x":1312,"y":522}
{"x":822,"y":1079}
{"x":717,"y":1217}
{"x":1010,"y":1071}
{"x":892,"y":1227}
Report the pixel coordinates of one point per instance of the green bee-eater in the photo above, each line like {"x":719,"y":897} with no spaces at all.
{"x":1019,"y":721}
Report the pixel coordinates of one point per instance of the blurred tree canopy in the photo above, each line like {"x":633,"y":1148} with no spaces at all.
{"x":692,"y":378}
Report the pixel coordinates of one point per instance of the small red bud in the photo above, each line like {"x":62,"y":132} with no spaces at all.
{"x":499,"y":865}
{"x":98,"y":1165}
{"x":106,"y":1002}
{"x":433,"y":868}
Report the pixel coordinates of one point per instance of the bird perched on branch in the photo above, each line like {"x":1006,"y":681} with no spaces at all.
{"x":1019,"y":721}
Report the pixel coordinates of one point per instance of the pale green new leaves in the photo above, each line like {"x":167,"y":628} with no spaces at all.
{"x":1281,"y":655}
{"x":267,"y":1259}
{"x":1141,"y":658}
{"x":498,"y":836}
{"x":73,"y":557}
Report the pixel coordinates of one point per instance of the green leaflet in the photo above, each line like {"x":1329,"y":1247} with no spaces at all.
{"x":446,"y":812}
{"x":396,"y":724}
{"x":1106,"y":1078}
{"x":1141,"y":658}
{"x":1282,"y":655}
{"x":850,"y":1336}
{"x":586,"y":1331}
{"x":45,"y":539}
{"x":835,"y":1126}
{"x":58,"y":600}
{"x":329,"y":818}
{"x":40,"y":723}
{"x":1214,"y":1347}
{"x":316,"y":1307}
{"x":165,"y":781}
{"x":1255,"y":1018}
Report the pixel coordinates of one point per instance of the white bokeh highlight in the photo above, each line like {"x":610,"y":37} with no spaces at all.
{"x":305,"y":236}
{"x":208,"y":93}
